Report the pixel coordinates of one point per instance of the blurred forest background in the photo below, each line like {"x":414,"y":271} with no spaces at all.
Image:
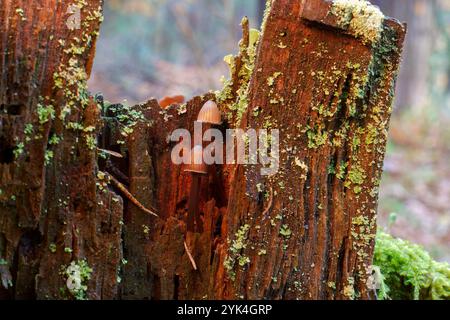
{"x":155,"y":48}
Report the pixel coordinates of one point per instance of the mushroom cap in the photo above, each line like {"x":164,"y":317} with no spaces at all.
{"x":197,"y":164}
{"x":210,"y":113}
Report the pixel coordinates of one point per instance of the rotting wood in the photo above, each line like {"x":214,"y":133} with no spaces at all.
{"x":317,"y":240}
{"x":52,"y":211}
{"x":311,"y":75}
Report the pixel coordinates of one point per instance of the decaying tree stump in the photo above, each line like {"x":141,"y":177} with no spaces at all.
{"x":321,"y":72}
{"x":51,"y":210}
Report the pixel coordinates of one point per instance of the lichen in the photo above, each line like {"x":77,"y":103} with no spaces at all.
{"x":266,"y":14}
{"x":262,"y":252}
{"x":70,"y":77}
{"x":19,"y":150}
{"x":237,"y":102}
{"x":349,"y":289}
{"x":45,"y":113}
{"x":361,"y":18}
{"x":356,"y":176}
{"x":48,"y":156}
{"x":21,"y":14}
{"x":271,"y":79}
{"x":127,"y":117}
{"x":234,"y":251}
{"x":317,"y":137}
{"x":52,"y":247}
{"x":285,"y":231}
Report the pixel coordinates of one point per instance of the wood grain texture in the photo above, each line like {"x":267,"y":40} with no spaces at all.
{"x":306,"y":232}
{"x":331,"y":100}
{"x":51,"y":210}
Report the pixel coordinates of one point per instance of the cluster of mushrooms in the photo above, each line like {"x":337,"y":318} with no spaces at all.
{"x":208,"y":116}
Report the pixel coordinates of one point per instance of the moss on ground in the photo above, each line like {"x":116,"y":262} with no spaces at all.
{"x":408,"y":271}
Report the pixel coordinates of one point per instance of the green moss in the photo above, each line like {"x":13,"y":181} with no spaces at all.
{"x":243,"y":260}
{"x":340,"y":172}
{"x":408,"y":271}
{"x":372,"y":134}
{"x":91,"y":141}
{"x":239,"y":242}
{"x":70,"y":78}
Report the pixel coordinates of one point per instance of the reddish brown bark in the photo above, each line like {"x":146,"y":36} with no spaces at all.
{"x":308,"y":234}
{"x":51,"y":215}
{"x":332,"y":224}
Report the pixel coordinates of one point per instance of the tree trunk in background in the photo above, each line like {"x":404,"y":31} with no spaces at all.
{"x":305,"y":233}
{"x":413,"y":90}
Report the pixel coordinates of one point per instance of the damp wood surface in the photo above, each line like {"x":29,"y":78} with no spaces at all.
{"x":306,"y":232}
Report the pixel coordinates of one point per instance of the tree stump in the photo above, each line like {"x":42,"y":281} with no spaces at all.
{"x":321,"y":72}
{"x":52,"y":212}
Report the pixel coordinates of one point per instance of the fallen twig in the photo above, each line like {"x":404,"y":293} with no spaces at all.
{"x":190,"y":256}
{"x":111,"y":153}
{"x":129,"y":196}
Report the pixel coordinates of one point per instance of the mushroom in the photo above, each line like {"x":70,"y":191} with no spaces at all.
{"x":210,"y":114}
{"x":197,"y":168}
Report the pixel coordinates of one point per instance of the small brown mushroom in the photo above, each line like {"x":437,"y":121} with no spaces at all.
{"x":210,"y":114}
{"x":197,"y":168}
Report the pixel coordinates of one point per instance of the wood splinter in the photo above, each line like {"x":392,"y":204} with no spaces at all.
{"x":191,"y":259}
{"x":129,"y":196}
{"x":110,"y":152}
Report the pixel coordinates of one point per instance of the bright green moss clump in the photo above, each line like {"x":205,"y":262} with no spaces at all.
{"x":409,"y":272}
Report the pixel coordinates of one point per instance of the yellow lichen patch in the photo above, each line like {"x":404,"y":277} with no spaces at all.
{"x":349,"y":290}
{"x":271,"y":79}
{"x":360,"y":17}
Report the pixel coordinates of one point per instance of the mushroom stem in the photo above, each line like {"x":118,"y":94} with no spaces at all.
{"x":193,"y":203}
